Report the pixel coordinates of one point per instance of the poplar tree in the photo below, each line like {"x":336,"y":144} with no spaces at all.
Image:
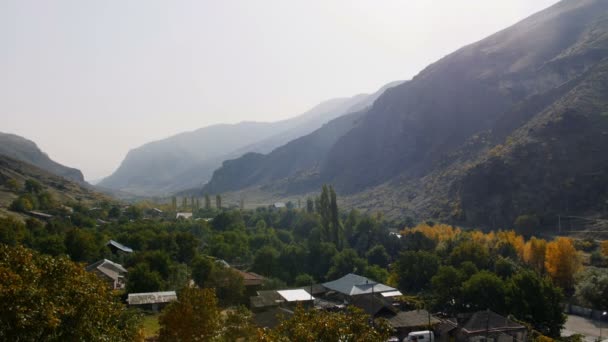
{"x":218,"y":201}
{"x":207,"y":202}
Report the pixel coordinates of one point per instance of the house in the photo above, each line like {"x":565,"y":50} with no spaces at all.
{"x":116,"y":247}
{"x":153,"y":301}
{"x":252,"y":281}
{"x":405,"y":322}
{"x":278,"y":205}
{"x":184,"y":216}
{"x":354,"y":285}
{"x":113,"y":273}
{"x":488,"y":325}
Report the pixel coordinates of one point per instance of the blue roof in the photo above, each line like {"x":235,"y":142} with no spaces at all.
{"x":120,"y":246}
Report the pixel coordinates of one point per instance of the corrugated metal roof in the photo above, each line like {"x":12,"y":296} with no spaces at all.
{"x":295,"y":295}
{"x":352,"y":285}
{"x":120,"y":246}
{"x":392,"y":294}
{"x":151,"y":298}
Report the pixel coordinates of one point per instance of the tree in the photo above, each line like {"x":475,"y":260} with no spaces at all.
{"x":377,"y":256}
{"x":266,"y":261}
{"x":207,"y":202}
{"x":604,"y":247}
{"x":202,"y":267}
{"x":310,"y":206}
{"x":325,"y":213}
{"x":470,"y":251}
{"x":336,"y":225}
{"x":53,"y":299}
{"x":174,"y":203}
{"x":218,"y":202}
{"x":346,"y":261}
{"x":592,"y":288}
{"x":414,"y":270}
{"x":534,"y":254}
{"x":80,"y":245}
{"x":446,"y":286}
{"x":142,"y":279}
{"x":228,"y":284}
{"x":193,"y":317}
{"x":537,"y":301}
{"x":304,"y":279}
{"x":33,"y":186}
{"x":527,"y":224}
{"x":484,"y":290}
{"x":317,"y":325}
{"x":562,"y":262}
{"x":12,"y":231}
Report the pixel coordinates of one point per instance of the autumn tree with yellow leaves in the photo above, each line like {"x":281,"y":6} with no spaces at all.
{"x":562,"y":262}
{"x":534,"y":254}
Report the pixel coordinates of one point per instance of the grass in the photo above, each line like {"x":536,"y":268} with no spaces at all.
{"x":150,"y":325}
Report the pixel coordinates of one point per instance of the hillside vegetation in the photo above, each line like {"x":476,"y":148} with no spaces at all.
{"x":512,"y":125}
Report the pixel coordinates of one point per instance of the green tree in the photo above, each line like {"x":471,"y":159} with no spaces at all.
{"x":325,"y":213}
{"x":485,"y":290}
{"x":537,"y":301}
{"x":310,"y":206}
{"x":12,"y":231}
{"x":592,"y":288}
{"x":218,"y":202}
{"x":228,"y":285}
{"x":142,"y":279}
{"x":80,"y":245}
{"x":346,"y":261}
{"x":336,"y":225}
{"x":33,"y":186}
{"x":446,"y":286}
{"x":202,"y":267}
{"x":207,"y":202}
{"x":195,"y":316}
{"x":470,"y":251}
{"x":266,"y":261}
{"x":414,"y":270}
{"x":53,"y":299}
{"x":377,"y":256}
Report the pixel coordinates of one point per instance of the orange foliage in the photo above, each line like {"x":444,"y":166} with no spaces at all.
{"x":437,"y":232}
{"x":512,"y":238}
{"x":604,"y":246}
{"x":562,"y":261}
{"x":534,"y":254}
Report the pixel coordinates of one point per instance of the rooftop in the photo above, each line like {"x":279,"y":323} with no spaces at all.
{"x":296,"y":295}
{"x":119,"y":246}
{"x":413,"y":319}
{"x":352,"y":285}
{"x":482,"y":321}
{"x":151,"y":298}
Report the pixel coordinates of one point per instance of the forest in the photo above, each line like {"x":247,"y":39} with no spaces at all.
{"x":436,"y":266}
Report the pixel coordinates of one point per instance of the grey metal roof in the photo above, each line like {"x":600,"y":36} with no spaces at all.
{"x":490,"y":321}
{"x":413,"y":319}
{"x":151,"y":298}
{"x":352,"y":285}
{"x":120,"y":246}
{"x":107,"y":267}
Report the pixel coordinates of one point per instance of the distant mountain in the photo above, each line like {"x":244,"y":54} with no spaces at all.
{"x":516,"y":124}
{"x":187,"y":160}
{"x":27,"y":151}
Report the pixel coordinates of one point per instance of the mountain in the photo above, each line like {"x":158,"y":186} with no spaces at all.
{"x":187,"y":160}
{"x":62,"y":189}
{"x":27,"y":151}
{"x":512,"y":125}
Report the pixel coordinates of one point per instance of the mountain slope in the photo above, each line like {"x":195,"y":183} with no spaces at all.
{"x":62,"y":189}
{"x":187,"y":160}
{"x":425,"y":147}
{"x":25,"y":150}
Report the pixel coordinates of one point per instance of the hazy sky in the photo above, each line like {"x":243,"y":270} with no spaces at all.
{"x":89,"y":80}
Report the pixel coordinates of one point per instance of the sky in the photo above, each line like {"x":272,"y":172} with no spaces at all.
{"x":90,"y":80}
